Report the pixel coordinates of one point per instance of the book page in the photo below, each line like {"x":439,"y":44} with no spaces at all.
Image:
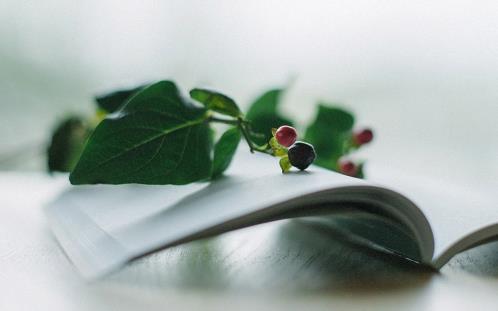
{"x":459,"y":217}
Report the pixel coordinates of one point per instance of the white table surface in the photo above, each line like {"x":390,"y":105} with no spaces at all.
{"x":281,"y":265}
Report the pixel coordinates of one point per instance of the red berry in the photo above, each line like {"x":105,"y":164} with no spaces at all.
{"x":363,"y":136}
{"x":286,"y":135}
{"x":347,"y":167}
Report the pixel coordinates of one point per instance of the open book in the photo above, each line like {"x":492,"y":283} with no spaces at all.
{"x":103,"y":227}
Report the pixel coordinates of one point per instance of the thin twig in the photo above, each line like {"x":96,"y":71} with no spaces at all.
{"x":225,"y":121}
{"x":246,"y":137}
{"x":241,"y":124}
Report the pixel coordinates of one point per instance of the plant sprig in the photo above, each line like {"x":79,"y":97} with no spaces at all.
{"x":153,"y":135}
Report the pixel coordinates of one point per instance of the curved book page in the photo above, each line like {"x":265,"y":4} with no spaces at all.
{"x":460,"y":217}
{"x":103,"y":227}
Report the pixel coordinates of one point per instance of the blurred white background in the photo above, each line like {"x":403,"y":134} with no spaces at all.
{"x":423,"y":74}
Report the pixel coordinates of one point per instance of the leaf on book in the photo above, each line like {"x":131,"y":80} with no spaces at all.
{"x":264,"y":115}
{"x":216,"y":101}
{"x":224,"y":151}
{"x":330,"y":133}
{"x":112,"y":102}
{"x":157,"y":138}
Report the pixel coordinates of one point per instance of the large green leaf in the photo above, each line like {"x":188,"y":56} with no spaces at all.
{"x":216,"y":101}
{"x":112,"y":102}
{"x":224,"y":151}
{"x":264,"y":116}
{"x":329,"y":133}
{"x":157,"y":138}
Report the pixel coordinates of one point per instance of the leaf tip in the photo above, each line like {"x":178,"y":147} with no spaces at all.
{"x":74,"y":179}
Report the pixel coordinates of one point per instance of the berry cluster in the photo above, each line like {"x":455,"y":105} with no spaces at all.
{"x":291,"y":152}
{"x":358,"y":139}
{"x":299,"y":154}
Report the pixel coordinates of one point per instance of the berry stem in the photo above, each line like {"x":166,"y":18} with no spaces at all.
{"x":224,"y":121}
{"x":246,"y":137}
{"x":243,"y":127}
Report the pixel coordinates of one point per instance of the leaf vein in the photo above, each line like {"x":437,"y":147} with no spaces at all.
{"x":165,"y":132}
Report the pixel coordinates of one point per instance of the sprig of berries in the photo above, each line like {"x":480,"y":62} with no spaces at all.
{"x":291,"y":152}
{"x":347,"y":166}
{"x":155,"y":121}
{"x":362,"y":137}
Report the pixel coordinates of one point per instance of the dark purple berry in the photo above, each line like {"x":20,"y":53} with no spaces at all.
{"x":363,"y":136}
{"x":286,"y":135}
{"x":301,"y":155}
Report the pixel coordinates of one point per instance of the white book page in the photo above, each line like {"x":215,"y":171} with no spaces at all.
{"x":103,"y":227}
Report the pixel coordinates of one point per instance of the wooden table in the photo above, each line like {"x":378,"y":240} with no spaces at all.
{"x":281,"y":265}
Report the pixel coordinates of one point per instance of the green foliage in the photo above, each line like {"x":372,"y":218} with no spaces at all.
{"x":216,"y":101}
{"x":112,"y":102}
{"x":224,"y":151}
{"x":263,"y":115}
{"x":330,"y":134}
{"x":66,"y":144}
{"x":157,"y":138}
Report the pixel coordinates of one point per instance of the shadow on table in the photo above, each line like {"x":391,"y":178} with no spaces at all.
{"x":278,"y":256}
{"x":328,"y":260}
{"x":481,"y":261}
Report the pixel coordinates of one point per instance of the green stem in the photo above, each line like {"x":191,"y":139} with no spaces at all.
{"x":252,"y":147}
{"x":224,"y":121}
{"x":242,"y":125}
{"x":246,"y":137}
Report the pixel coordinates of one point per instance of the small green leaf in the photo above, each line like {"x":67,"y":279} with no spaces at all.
{"x":67,"y":144}
{"x":264,"y":116}
{"x":216,"y":101}
{"x":278,"y":149}
{"x":156,"y":138}
{"x":112,"y":102}
{"x":224,"y":151}
{"x":285,"y":164}
{"x":329,"y":133}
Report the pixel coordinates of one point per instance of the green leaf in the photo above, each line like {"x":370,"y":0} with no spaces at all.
{"x":224,"y":151}
{"x":329,"y":133}
{"x":157,"y":138}
{"x":66,"y":144}
{"x":112,"y":102}
{"x":264,"y":116}
{"x":216,"y":101}
{"x":285,"y":164}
